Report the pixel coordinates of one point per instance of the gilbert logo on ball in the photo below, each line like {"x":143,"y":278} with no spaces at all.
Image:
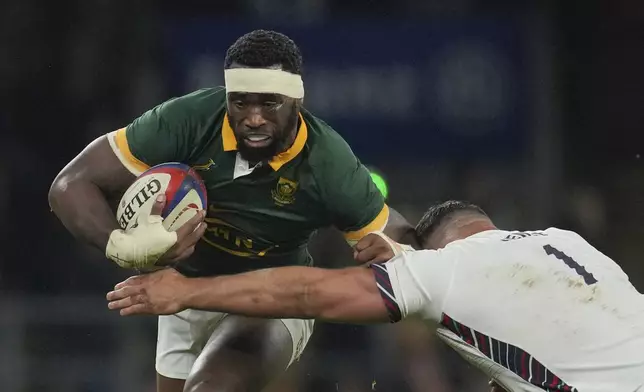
{"x":132,"y":204}
{"x":184,"y":190}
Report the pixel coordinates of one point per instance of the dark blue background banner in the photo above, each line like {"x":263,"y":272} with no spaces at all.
{"x":419,"y":92}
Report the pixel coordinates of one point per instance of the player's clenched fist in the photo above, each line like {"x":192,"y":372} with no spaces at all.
{"x":156,"y":293}
{"x":149,"y":244}
{"x":376,"y":248}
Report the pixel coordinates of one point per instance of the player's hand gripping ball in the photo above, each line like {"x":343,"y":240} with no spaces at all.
{"x":161,"y":217}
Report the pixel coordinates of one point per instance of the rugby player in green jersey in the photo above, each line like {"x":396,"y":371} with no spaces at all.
{"x":274,"y":175}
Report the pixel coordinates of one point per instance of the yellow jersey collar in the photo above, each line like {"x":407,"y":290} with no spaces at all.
{"x":230,"y":143}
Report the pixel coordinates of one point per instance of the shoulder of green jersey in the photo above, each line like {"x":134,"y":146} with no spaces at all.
{"x":199,"y":99}
{"x":327,"y":147}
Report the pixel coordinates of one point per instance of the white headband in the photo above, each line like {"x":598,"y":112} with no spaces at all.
{"x":262,"y":80}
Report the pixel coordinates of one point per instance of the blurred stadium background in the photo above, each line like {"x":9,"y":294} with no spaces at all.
{"x":530,"y":108}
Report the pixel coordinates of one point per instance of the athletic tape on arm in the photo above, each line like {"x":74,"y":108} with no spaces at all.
{"x":141,"y":246}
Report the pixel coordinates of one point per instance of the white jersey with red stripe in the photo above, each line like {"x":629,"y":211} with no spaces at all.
{"x":538,"y":310}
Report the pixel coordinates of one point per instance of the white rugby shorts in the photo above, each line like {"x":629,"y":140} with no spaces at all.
{"x":182,"y":336}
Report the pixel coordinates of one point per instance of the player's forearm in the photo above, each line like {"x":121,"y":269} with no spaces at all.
{"x":348,"y":295}
{"x":268,"y":293}
{"x":83,"y":209}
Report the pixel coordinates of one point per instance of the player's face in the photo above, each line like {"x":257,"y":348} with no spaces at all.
{"x":264,"y":124}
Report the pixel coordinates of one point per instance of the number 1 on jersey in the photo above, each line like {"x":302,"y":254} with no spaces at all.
{"x":570,"y":262}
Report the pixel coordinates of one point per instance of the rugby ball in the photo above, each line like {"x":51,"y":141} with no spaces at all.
{"x":184,"y":190}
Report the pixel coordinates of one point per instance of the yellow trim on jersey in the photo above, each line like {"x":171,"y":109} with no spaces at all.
{"x":124,"y":149}
{"x":230,"y":143}
{"x":228,"y":136}
{"x":378,"y":224}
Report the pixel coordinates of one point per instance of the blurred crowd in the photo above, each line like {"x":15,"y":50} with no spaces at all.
{"x":73,"y":70}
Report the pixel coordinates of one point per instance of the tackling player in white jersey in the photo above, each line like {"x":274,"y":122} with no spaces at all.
{"x":535,"y":310}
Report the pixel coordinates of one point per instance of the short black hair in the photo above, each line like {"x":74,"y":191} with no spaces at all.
{"x":437,"y":214}
{"x":265,"y":48}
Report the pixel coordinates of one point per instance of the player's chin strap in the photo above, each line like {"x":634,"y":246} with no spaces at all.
{"x":264,"y":81}
{"x":396,"y":247}
{"x":141,"y":246}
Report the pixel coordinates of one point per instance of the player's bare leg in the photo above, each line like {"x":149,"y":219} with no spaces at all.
{"x":243,"y":355}
{"x":165,"y":384}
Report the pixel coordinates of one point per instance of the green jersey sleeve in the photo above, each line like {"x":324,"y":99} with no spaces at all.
{"x":354,"y":203}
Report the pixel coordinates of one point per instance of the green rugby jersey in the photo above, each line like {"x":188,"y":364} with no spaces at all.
{"x":257,"y":217}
